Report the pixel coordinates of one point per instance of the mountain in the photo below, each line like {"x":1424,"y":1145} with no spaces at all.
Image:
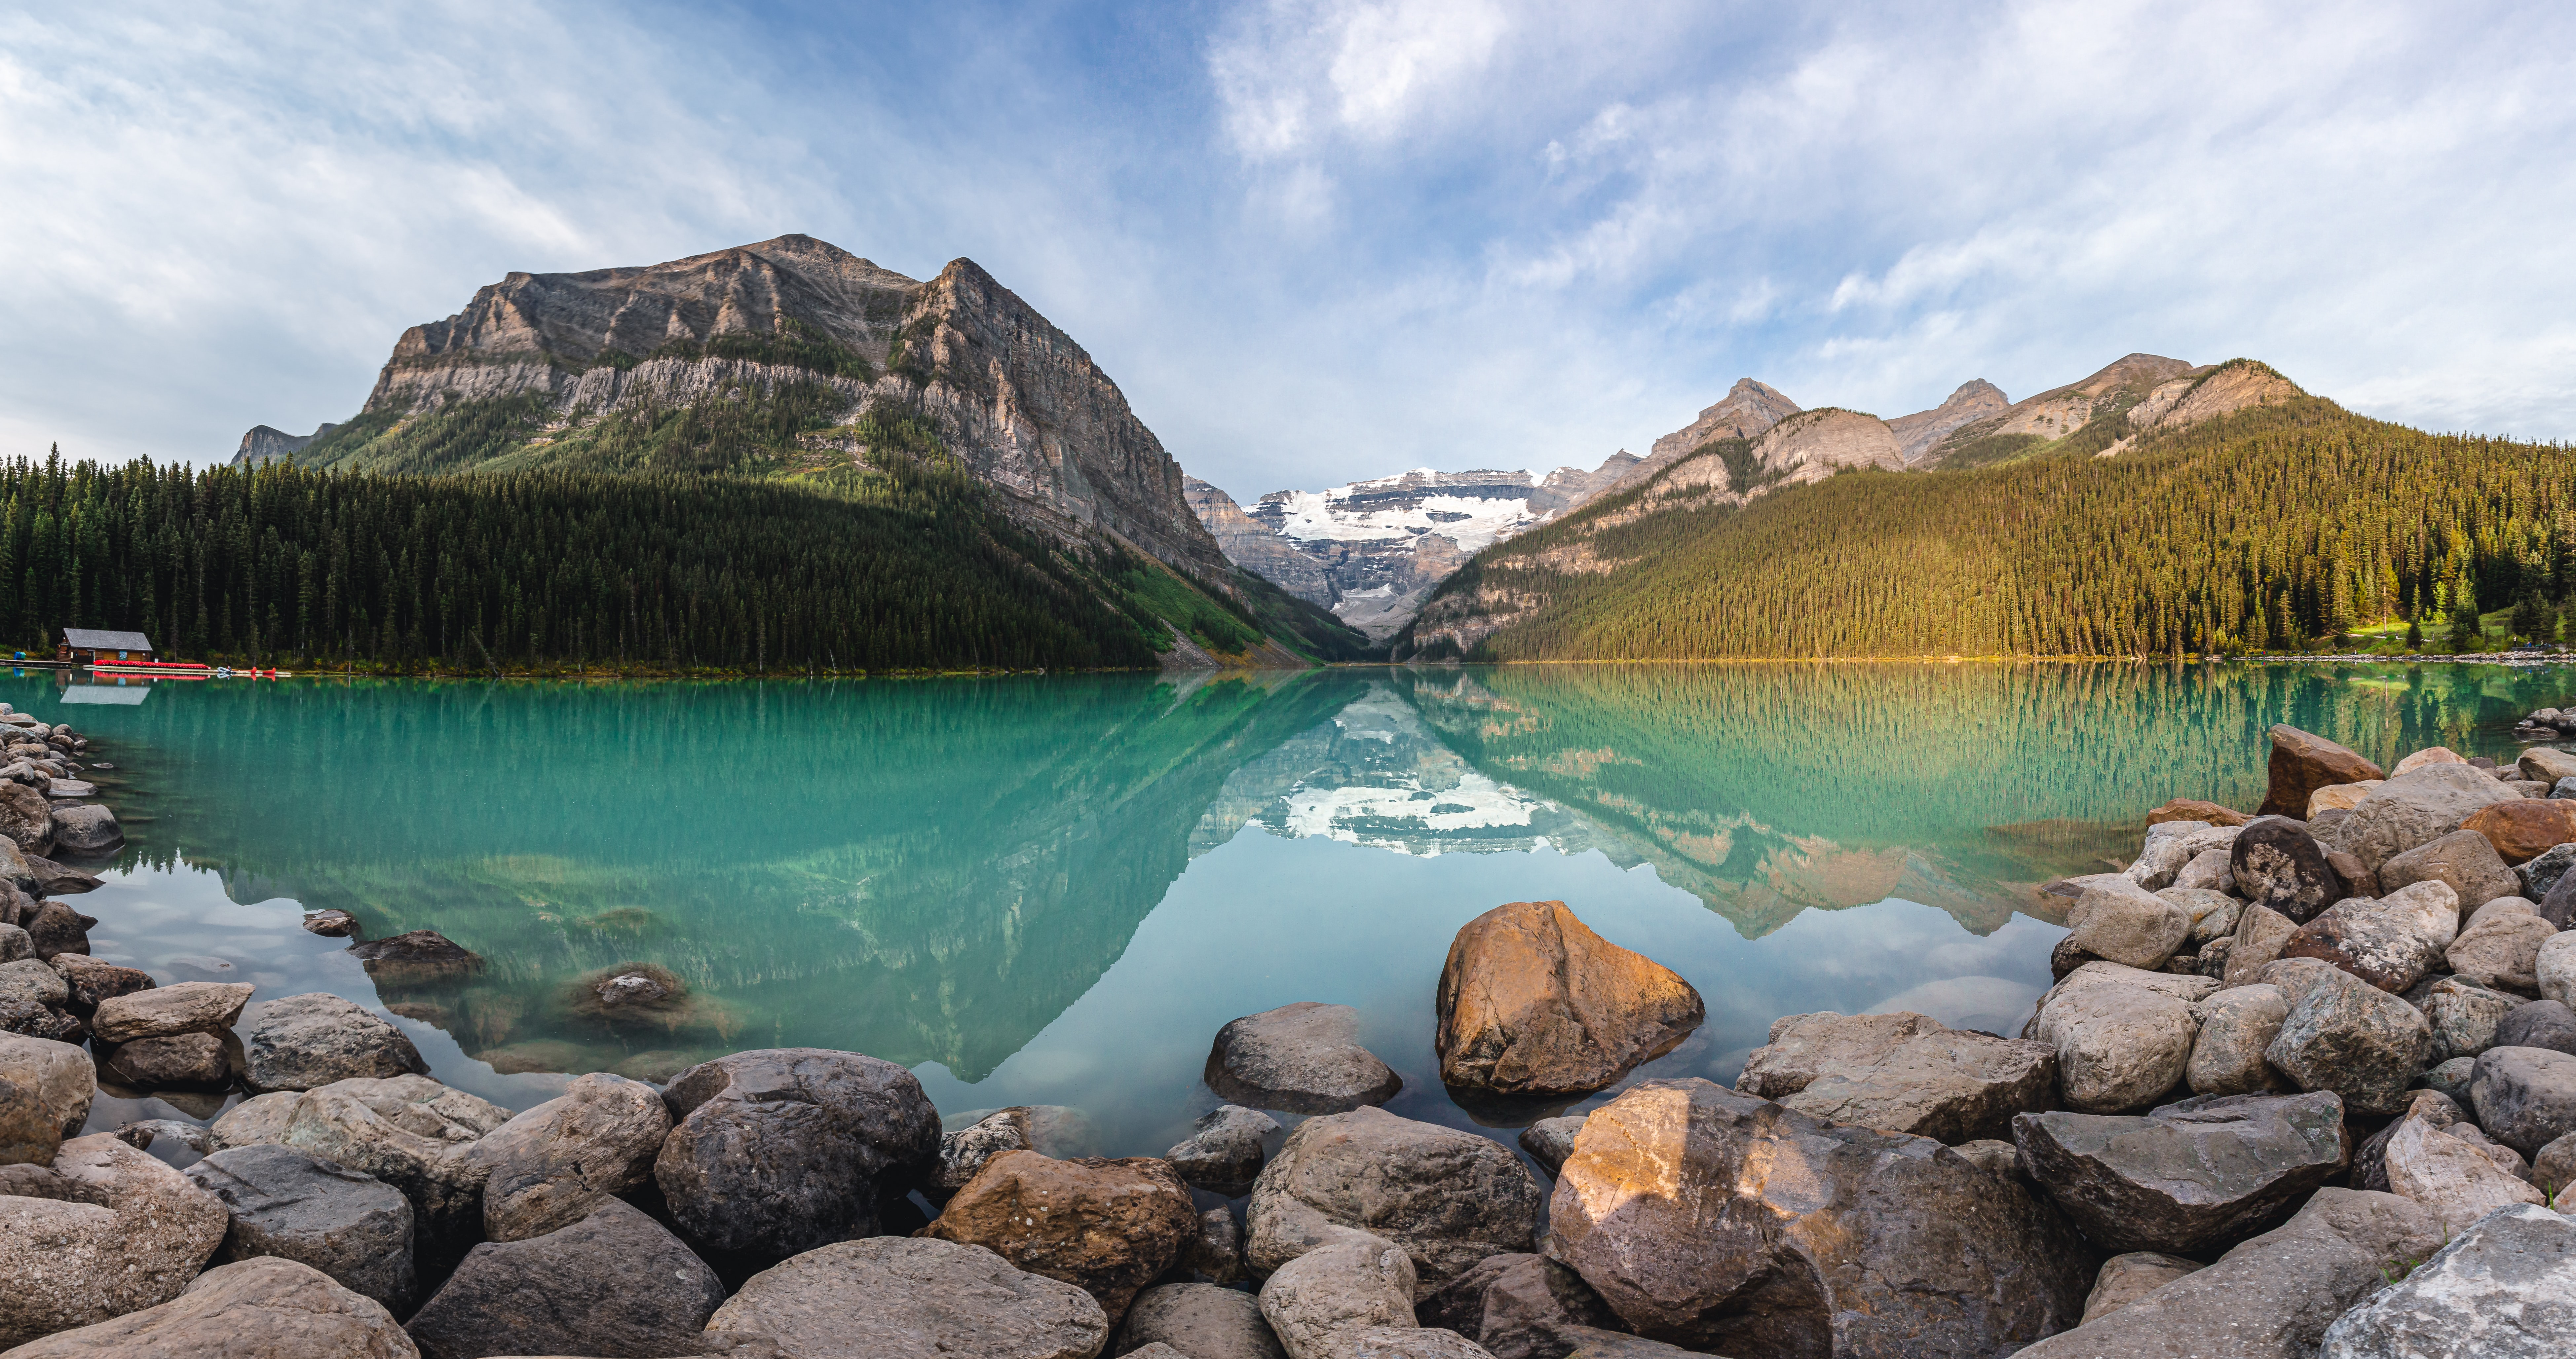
{"x":1748,"y":409}
{"x":1371,"y":550}
{"x":793,"y":359}
{"x":2136,"y":529}
{"x":265,"y":444}
{"x":1917,"y":434}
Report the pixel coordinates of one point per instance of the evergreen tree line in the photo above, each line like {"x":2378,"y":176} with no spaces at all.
{"x":899,"y":570}
{"x":2258,"y":531}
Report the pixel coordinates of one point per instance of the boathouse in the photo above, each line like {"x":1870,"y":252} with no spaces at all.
{"x":93,"y":645}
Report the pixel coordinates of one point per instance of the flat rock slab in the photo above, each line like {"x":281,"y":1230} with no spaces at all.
{"x":189,"y":1007}
{"x":2189,"y":1178}
{"x":1768,"y":1231}
{"x":1449,"y":1198}
{"x":616,"y":1282}
{"x":2504,"y":1289}
{"x":252,"y":1309}
{"x":910,"y":1298}
{"x":1904,"y":1073}
{"x":300,"y":1042}
{"x":1303,"y":1058}
{"x":354,"y":1228}
{"x":1533,"y":1002}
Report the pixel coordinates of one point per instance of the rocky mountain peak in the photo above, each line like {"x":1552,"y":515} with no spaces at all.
{"x":1919,"y":433}
{"x":267,"y":443}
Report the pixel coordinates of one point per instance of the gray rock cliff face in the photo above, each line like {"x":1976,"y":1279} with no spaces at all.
{"x":1921,"y":432}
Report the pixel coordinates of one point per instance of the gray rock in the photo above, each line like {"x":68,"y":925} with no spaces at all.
{"x":1320,"y":1302}
{"x":1449,"y":1198}
{"x":1408,"y":1342}
{"x":2453,"y":1172}
{"x":412,"y":1133}
{"x":1992,"y":1155}
{"x":300,"y":1042}
{"x":782,"y":1150}
{"x":2260,"y":933}
{"x":55,"y":928}
{"x":2236,"y":1026}
{"x":1201,"y":1321}
{"x":2122,"y":1037}
{"x":173,"y":1134}
{"x":2168,"y":846}
{"x":2464,"y":1017}
{"x":354,"y":1228}
{"x":2213,"y":913}
{"x":261,"y":1118}
{"x":1056,"y":1131}
{"x":2451,"y":1078}
{"x":891,"y":1297}
{"x":331,"y":924}
{"x":2415,"y":808}
{"x":2558,"y":907}
{"x":89,"y":829}
{"x":198,"y":1061}
{"x":1224,"y":1152}
{"x":93,"y":983}
{"x":45,"y":1092}
{"x":1902,"y":1073}
{"x":2271,"y":1297}
{"x":1550,"y":1140}
{"x":1215,"y":1254}
{"x":615,"y":1282}
{"x":2524,"y":1097}
{"x":2127,"y":924}
{"x":2369,"y":1160}
{"x":2463,"y":860}
{"x":2126,"y":1278}
{"x":2553,"y":1167}
{"x":2277,"y":864}
{"x":106,"y":1230}
{"x":15,"y":944}
{"x":2543,"y":870}
{"x":2504,"y":1289}
{"x":2500,"y":947}
{"x":2189,"y":1178}
{"x":252,"y":1309}
{"x":189,"y":1007}
{"x":1767,"y":1231}
{"x":2347,"y":1036}
{"x":2391,"y":942}
{"x":1517,"y":1307}
{"x":2553,"y":968}
{"x":551,"y":1165}
{"x":2208,"y":871}
{"x":2537,"y":1024}
{"x":1304,"y":1058}
{"x":34,"y":983}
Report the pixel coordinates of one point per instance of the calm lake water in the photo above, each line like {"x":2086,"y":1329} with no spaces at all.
{"x":1055,"y":890}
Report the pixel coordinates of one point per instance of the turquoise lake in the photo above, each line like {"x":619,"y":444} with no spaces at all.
{"x":1055,"y":890}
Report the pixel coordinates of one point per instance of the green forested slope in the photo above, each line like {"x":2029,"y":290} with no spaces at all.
{"x":2253,"y":531}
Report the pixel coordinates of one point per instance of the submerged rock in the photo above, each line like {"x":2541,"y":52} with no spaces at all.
{"x":1532,"y":1002}
{"x":416,"y":958}
{"x":1303,"y":1058}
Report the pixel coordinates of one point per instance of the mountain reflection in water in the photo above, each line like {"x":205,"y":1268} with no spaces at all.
{"x":1056,"y":888}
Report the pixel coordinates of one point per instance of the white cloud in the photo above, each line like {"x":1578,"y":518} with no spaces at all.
{"x":1294,"y":74}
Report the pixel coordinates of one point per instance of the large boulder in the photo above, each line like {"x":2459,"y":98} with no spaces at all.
{"x":550,"y":1165}
{"x":2463,"y":860}
{"x":45,"y":1092}
{"x":2451,"y":1175}
{"x":780,"y":1150}
{"x":2261,"y":932}
{"x":2391,"y":942}
{"x":165,"y":1011}
{"x":891,"y":1297}
{"x":2276,"y":863}
{"x":1225,"y":1149}
{"x":25,"y":817}
{"x":2123,"y":1037}
{"x":1056,"y":1130}
{"x":615,"y":1282}
{"x":1106,"y":1227}
{"x":2553,"y":968}
{"x":2537,"y":1024}
{"x":300,"y":1042}
{"x":1518,"y":1307}
{"x":2189,"y":1178}
{"x":1200,"y":1321}
{"x":2505,"y":1288}
{"x":2524,"y":1097}
{"x":2213,"y":913}
{"x":1322,"y":1303}
{"x":2416,"y":808}
{"x":1532,"y":1002}
{"x":2236,"y":1026}
{"x":2126,"y":1278}
{"x":94,"y":983}
{"x":352,"y":1227}
{"x":2345,"y":1035}
{"x":2500,"y":947}
{"x":2125,"y":923}
{"x":2525,"y":829}
{"x":410,"y":1132}
{"x":252,"y":1309}
{"x":104,"y":1231}
{"x":2271,"y":1297}
{"x":2302,"y":763}
{"x":187,"y":1061}
{"x":1901,"y":1073}
{"x":1303,"y":1058}
{"x":2463,"y":1017}
{"x":1721,"y":1222}
{"x":87,"y":829}
{"x":1449,"y":1198}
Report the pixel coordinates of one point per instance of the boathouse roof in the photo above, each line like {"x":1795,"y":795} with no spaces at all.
{"x":94,"y":639}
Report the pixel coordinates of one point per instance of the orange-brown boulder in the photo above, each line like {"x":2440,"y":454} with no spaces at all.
{"x":1106,"y":1227}
{"x":1532,"y":1002}
{"x":2193,"y":809}
{"x":2526,"y":828}
{"x":2302,"y":763}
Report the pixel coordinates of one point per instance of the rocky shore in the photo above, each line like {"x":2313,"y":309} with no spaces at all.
{"x":2305,"y":1085}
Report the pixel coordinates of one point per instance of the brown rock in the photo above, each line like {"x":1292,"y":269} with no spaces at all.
{"x":2126,"y":1278}
{"x":2193,"y":809}
{"x":2545,"y":764}
{"x":2356,"y":880}
{"x":93,"y":982}
{"x":1106,"y":1227}
{"x":1532,"y":1002}
{"x":1725,"y":1223}
{"x":45,"y":1093}
{"x":2463,"y":860}
{"x":25,"y":817}
{"x":105,"y":1231}
{"x":1516,"y":1306}
{"x":2429,"y":755}
{"x":2525,"y":828}
{"x":189,"y":1007}
{"x":2339,"y":797}
{"x":191,"y":1059}
{"x":264,"y":1308}
{"x":2302,"y":763}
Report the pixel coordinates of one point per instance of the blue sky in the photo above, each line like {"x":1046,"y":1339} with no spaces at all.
{"x":1316,"y":240}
